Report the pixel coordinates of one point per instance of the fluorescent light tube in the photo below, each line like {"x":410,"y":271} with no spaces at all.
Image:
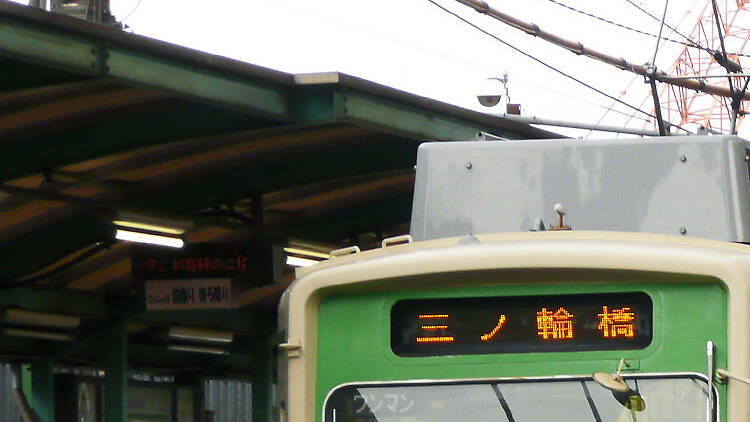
{"x":200,"y":334}
{"x":172,"y":242}
{"x":306,"y":252}
{"x":198,"y":349}
{"x":44,"y":335}
{"x":149,"y":227}
{"x":296,"y":261}
{"x":15,"y":316}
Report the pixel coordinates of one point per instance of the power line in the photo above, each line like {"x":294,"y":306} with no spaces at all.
{"x":651,"y":15}
{"x":611,"y":106}
{"x":690,"y":42}
{"x":137,"y":5}
{"x":538,"y":60}
{"x":578,"y":48}
{"x":628,"y":28}
{"x":575,"y":98}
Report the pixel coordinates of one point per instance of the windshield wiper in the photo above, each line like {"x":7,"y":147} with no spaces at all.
{"x":503,"y":403}
{"x":592,"y":405}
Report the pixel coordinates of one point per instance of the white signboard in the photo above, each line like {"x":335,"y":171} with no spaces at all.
{"x":213,"y":293}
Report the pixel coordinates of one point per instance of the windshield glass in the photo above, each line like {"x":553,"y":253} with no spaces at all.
{"x":667,"y":398}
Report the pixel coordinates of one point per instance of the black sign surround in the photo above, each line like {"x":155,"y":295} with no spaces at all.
{"x":522,"y":324}
{"x":242,"y":262}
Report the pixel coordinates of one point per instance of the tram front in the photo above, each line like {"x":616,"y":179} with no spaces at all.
{"x":529,"y":325}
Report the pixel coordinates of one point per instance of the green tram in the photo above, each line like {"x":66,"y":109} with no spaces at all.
{"x":486,"y":313}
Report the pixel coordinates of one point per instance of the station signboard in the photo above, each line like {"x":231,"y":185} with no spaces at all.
{"x":202,"y":275}
{"x":189,"y":294}
{"x":249,"y":264}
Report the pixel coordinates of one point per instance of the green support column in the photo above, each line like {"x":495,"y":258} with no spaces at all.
{"x":262,"y":382}
{"x":116,"y":384}
{"x":26,"y":384}
{"x":43,"y":389}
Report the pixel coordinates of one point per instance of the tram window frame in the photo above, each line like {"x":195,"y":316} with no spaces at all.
{"x":329,"y":415}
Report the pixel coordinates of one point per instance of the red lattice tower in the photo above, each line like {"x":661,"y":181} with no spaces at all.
{"x":682,"y":106}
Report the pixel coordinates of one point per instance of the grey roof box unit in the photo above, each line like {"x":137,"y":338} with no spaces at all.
{"x":696,"y":186}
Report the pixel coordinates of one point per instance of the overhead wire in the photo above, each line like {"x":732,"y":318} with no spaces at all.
{"x":461,"y":18}
{"x":592,"y":103}
{"x":702,"y":29}
{"x":611,"y":108}
{"x":631,"y":116}
{"x":477,"y":65}
{"x":652,"y":79}
{"x":661,"y":28}
{"x":672,"y":28}
{"x":137,"y":5}
{"x":578,"y":48}
{"x":566,"y":95}
{"x":569,"y":96}
{"x":628,"y":28}
{"x":689,"y":43}
{"x":689,"y":40}
{"x":656,"y":18}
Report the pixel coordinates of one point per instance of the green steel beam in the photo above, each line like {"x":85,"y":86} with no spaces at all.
{"x":262,"y":382}
{"x":199,"y":399}
{"x":41,"y":45}
{"x":313,"y":106}
{"x":43,"y":389}
{"x":391,"y":116}
{"x":255,"y":97}
{"x":116,"y":374}
{"x":26,"y":384}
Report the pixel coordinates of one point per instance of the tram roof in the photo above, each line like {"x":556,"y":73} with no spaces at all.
{"x":97,"y":121}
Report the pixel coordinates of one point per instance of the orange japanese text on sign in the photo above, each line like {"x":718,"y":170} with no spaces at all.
{"x":617,"y":322}
{"x":500,"y":323}
{"x":555,"y":326}
{"x":432,"y":328}
{"x":447,"y":339}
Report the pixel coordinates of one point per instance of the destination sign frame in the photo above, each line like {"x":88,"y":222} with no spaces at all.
{"x":521,"y":324}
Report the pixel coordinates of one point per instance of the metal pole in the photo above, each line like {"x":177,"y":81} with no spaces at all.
{"x":116,"y":373}
{"x":710,"y":351}
{"x":657,"y":107}
{"x":578,"y":125}
{"x":658,"y":38}
{"x":43,"y":389}
{"x":736,"y":104}
{"x":262,"y":381}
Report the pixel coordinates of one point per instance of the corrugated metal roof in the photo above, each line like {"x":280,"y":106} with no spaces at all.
{"x":95,"y":121}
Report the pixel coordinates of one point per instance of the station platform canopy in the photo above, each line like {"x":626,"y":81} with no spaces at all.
{"x":97,"y":123}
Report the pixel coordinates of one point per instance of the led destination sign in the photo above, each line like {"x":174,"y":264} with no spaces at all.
{"x":457,"y":326}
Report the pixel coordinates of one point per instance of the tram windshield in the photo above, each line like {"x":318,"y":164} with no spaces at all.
{"x":667,"y":398}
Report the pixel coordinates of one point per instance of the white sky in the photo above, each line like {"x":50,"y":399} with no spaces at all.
{"x":414,"y":46}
